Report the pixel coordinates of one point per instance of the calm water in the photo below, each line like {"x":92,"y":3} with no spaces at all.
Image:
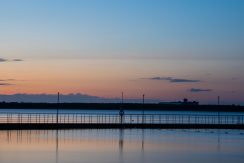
{"x":122,"y":146}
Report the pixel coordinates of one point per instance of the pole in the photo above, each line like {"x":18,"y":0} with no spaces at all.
{"x":218,"y":110}
{"x":121,"y":112}
{"x":57,"y":108}
{"x":122,"y":97}
{"x":143,"y":99}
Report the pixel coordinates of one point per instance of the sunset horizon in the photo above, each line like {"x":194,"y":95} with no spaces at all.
{"x":121,"y":81}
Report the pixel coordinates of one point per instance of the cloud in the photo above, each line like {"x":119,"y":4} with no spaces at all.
{"x":196,"y":90}
{"x":5,"y":84}
{"x":17,"y":60}
{"x":1,"y":80}
{"x":3,"y":60}
{"x":175,"y":80}
{"x":11,"y":60}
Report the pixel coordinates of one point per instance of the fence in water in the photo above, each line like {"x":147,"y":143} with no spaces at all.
{"x":100,"y":118}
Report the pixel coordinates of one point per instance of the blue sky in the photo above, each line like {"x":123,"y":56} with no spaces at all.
{"x":100,"y":46}
{"x":132,"y":28}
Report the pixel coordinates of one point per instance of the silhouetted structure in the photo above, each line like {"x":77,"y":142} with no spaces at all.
{"x":164,"y":106}
{"x":184,"y":102}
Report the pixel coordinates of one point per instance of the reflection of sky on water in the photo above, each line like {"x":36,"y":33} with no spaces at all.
{"x":121,"y":146}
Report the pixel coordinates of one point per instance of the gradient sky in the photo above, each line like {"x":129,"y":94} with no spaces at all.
{"x":167,"y":49}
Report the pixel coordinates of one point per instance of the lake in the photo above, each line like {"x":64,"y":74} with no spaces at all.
{"x":121,"y":146}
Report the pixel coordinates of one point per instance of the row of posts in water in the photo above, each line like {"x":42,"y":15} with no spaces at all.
{"x":77,"y":118}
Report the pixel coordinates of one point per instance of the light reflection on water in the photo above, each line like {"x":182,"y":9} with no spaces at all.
{"x":123,"y":146}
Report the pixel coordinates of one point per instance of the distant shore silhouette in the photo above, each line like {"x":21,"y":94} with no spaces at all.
{"x":126,"y":106}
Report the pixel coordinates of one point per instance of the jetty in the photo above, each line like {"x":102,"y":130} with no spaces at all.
{"x":22,"y":121}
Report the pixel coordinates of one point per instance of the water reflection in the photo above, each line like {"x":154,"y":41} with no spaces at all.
{"x":56,"y":146}
{"x":124,"y":146}
{"x":218,"y":144}
{"x":121,"y":145}
{"x":142,"y":147}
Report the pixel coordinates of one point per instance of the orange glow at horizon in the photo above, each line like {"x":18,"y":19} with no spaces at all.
{"x":108,"y":78}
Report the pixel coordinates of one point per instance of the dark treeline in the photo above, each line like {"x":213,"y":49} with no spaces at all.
{"x":125,"y":106}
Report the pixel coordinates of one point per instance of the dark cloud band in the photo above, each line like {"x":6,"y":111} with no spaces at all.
{"x":174,"y":80}
{"x":17,"y":60}
{"x":5,"y":84}
{"x":3,"y":60}
{"x":196,"y":90}
{"x":12,"y":60}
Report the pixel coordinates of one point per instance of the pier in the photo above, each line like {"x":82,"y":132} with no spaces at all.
{"x":18,"y":121}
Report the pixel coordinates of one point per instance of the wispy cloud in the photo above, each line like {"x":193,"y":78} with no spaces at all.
{"x":175,"y":80}
{"x":197,"y":90}
{"x":10,"y":60}
{"x":17,"y":60}
{"x":3,"y":60}
{"x":5,"y":84}
{"x":1,"y":80}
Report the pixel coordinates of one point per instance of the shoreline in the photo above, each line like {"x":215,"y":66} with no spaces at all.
{"x":125,"y":106}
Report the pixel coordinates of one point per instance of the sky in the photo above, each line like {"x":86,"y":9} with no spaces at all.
{"x":165,"y":49}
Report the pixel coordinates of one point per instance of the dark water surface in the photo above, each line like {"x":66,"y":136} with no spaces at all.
{"x":122,"y":146}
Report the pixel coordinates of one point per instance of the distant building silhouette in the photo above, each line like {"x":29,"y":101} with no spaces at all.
{"x":184,"y":102}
